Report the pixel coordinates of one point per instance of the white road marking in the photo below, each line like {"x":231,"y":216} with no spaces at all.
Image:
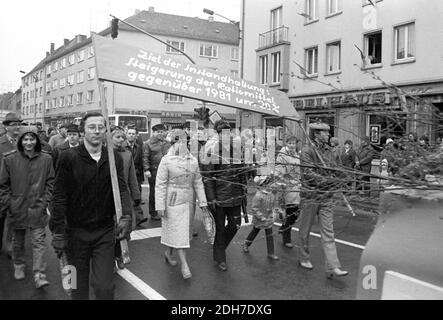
{"x":141,"y":286}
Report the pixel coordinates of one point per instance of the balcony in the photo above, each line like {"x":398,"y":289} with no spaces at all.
{"x":273,"y":37}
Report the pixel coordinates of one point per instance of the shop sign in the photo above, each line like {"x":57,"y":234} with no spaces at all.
{"x":374,"y":98}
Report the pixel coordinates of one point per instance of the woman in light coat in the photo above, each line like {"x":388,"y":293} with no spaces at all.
{"x":178,"y":183}
{"x":288,"y":170}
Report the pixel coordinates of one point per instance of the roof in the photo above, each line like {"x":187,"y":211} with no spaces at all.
{"x":184,"y":27}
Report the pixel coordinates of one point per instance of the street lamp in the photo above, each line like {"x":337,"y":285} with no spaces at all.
{"x":242,"y":44}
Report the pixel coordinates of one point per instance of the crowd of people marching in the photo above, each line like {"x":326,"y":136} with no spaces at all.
{"x":62,"y":179}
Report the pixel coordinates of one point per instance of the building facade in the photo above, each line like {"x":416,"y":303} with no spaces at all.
{"x":367,"y":69}
{"x":71,"y":87}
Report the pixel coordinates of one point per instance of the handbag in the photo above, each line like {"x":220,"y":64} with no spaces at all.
{"x":209,"y":224}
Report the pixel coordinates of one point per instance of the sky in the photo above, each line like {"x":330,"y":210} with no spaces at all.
{"x":27,"y":27}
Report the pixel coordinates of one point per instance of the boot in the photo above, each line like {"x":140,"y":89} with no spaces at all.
{"x":40,"y":280}
{"x":19,"y":271}
{"x":336,"y":272}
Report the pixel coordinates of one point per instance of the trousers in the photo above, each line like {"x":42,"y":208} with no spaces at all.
{"x":92,"y":255}
{"x":151,"y":181}
{"x":286,"y":227}
{"x":323,"y":208}
{"x":224,"y":233}
{"x":269,"y":238}
{"x":38,"y":237}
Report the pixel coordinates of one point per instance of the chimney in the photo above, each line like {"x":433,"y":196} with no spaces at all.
{"x":151,"y":10}
{"x":65,"y":42}
{"x":80,"y":38}
{"x":52,"y":47}
{"x":210,"y":18}
{"x":137,"y":11}
{"x":47,"y":54}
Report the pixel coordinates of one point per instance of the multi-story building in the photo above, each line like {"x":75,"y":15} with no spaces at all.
{"x":32,"y":90}
{"x":364,"y":67}
{"x":70,"y":81}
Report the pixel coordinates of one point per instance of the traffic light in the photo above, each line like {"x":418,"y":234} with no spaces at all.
{"x":198,"y":113}
{"x":114,"y":28}
{"x":205,"y":116}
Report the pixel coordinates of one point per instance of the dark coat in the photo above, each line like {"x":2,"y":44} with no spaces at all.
{"x":153,"y":151}
{"x":137,"y":156}
{"x":365,"y":156}
{"x":83,"y":196}
{"x":6,"y":145}
{"x":348,"y":158}
{"x":224,"y":183}
{"x":26,"y":188}
{"x":57,"y":150}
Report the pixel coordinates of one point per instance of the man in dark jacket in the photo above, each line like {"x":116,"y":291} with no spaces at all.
{"x":317,"y":198}
{"x":72,"y":142}
{"x":83,"y":211}
{"x":365,"y":156}
{"x":136,"y":149}
{"x":153,"y":151}
{"x":8,"y":142}
{"x":225,"y":186}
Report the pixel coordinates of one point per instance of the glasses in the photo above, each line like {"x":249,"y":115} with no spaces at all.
{"x":14,"y":124}
{"x":93,"y":128}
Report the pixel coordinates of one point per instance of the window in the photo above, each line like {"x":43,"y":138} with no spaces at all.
{"x":275,"y":63}
{"x":263,"y":69}
{"x":90,"y":96}
{"x":311,"y":61}
{"x":80,"y":55}
{"x":234,"y":73}
{"x":404,"y":42}
{"x":54,"y":103}
{"x":80,"y":76}
{"x":91,"y":73}
{"x":373,"y":46}
{"x":334,"y":6}
{"x":63,"y":63}
{"x":54,"y":84}
{"x":210,"y":51}
{"x":61,"y":102}
{"x":276,"y":22}
{"x":173,"y":98}
{"x":48,"y":86}
{"x":47,"y":105}
{"x":71,"y":79}
{"x":80,"y":98}
{"x":176,"y":44}
{"x":333,"y":63}
{"x":27,"y":95}
{"x":70,"y":98}
{"x":311,"y":10}
{"x":55,"y":66}
{"x":48,"y":71}
{"x":41,"y":91}
{"x":234,"y":54}
{"x":90,"y":51}
{"x":71,"y":59}
{"x":40,"y":108}
{"x":62,"y":82}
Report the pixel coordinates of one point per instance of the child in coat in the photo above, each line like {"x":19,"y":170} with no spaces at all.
{"x":266,"y":207}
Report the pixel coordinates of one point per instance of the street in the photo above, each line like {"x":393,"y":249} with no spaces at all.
{"x":250,"y":276}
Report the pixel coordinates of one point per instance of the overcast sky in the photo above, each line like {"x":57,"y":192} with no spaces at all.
{"x":27,"y":27}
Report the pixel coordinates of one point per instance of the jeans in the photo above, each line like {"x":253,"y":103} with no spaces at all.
{"x":4,"y":225}
{"x":323,"y":208}
{"x":291,"y":217}
{"x":225,"y":233}
{"x":269,"y":238}
{"x":92,"y":254}
{"x":38,"y":237}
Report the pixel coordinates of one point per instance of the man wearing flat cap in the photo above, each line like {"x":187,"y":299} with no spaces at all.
{"x":8,"y":142}
{"x":153,"y":151}
{"x":73,"y":133}
{"x":317,"y":198}
{"x":58,"y":138}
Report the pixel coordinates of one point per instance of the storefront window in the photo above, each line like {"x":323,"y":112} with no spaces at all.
{"x":383,"y":126}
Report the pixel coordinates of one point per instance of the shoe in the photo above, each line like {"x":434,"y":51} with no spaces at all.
{"x":40,"y":280}
{"x":169,"y":260}
{"x":306,"y":265}
{"x":222,"y":266}
{"x":155,"y":218}
{"x":245,"y":248}
{"x":142,"y":202}
{"x":186,"y":273}
{"x":273,"y":257}
{"x":19,"y":272}
{"x":336,"y":272}
{"x":289,"y":245}
{"x":9,"y":255}
{"x":119,"y":262}
{"x":195,"y":234}
{"x":141,"y":221}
